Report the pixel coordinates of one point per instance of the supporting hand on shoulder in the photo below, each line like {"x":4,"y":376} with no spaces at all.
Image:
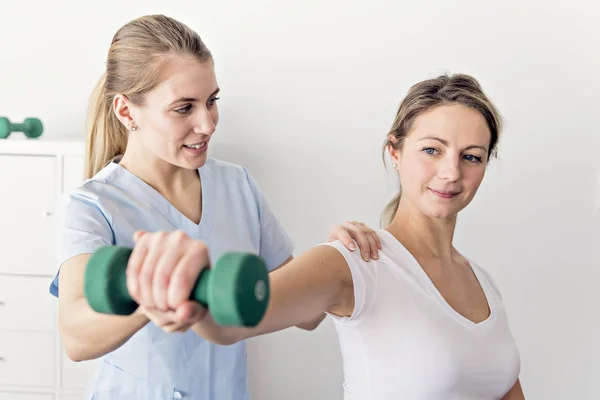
{"x":353,"y":231}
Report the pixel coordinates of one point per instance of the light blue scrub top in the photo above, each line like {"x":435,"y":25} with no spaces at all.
{"x":153,"y":364}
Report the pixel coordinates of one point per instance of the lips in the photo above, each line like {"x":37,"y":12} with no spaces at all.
{"x":195,"y":145}
{"x":445,"y":194}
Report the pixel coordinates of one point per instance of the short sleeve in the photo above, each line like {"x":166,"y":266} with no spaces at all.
{"x":364,"y":280}
{"x":275,"y":244}
{"x":81,"y":228}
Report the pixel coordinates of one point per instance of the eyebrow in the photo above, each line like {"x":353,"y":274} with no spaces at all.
{"x":192,"y":99}
{"x":445,"y":143}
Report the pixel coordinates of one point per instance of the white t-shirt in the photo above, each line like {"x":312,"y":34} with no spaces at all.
{"x":404,"y":342}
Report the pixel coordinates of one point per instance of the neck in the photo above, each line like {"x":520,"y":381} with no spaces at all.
{"x":163,"y":176}
{"x":422,"y":234}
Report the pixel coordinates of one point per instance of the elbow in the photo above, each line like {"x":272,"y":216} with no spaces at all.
{"x":225,"y":340}
{"x":75,"y":348}
{"x":76,"y":353}
{"x":311,"y":325}
{"x":307,"y":326}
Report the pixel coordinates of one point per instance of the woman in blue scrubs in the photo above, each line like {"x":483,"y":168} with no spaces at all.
{"x":152,"y":116}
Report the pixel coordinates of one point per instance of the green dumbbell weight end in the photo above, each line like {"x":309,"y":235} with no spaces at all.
{"x":31,"y":127}
{"x":235,"y":290}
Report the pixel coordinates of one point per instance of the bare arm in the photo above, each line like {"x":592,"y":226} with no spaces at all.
{"x":302,"y":291}
{"x":85,"y":334}
{"x":313,"y":323}
{"x":516,"y":393}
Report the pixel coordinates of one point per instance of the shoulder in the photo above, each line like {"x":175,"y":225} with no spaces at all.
{"x":359,"y":270}
{"x":231,"y":179}
{"x":228,"y":170}
{"x":96,"y":194}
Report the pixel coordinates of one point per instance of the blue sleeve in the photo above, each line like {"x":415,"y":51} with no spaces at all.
{"x":82,"y":228}
{"x":275,"y":245}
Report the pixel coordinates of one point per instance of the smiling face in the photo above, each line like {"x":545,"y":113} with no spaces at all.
{"x":177,"y":118}
{"x":442,"y":160}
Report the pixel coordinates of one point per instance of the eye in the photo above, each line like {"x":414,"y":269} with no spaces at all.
{"x":213,"y":100}
{"x":472,"y":158}
{"x":430,"y":151}
{"x":184,"y":110}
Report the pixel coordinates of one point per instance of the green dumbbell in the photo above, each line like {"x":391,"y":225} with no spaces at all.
{"x":235,"y":290}
{"x":31,"y":127}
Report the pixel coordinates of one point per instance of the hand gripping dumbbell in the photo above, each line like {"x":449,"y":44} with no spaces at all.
{"x":31,"y":127}
{"x":235,"y":290}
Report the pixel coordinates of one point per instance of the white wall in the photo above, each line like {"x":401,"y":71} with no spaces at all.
{"x":304,"y":80}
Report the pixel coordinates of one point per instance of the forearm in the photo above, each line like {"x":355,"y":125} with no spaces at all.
{"x":86,"y":335}
{"x":300,"y":293}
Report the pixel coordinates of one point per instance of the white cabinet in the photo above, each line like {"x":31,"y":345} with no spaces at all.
{"x":27,"y":359}
{"x":26,"y":396}
{"x":26,"y":209}
{"x":33,"y":174}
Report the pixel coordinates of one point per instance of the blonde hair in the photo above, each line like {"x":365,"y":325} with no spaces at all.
{"x":137,"y":53}
{"x":445,"y":89}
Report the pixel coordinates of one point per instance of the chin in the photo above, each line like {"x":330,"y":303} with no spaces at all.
{"x":438,"y":212}
{"x":194,"y":163}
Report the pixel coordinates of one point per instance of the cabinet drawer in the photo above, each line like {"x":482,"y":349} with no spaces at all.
{"x":72,"y":397}
{"x":25,"y":396}
{"x":27,"y":359}
{"x":28,"y":187}
{"x":25,"y":304}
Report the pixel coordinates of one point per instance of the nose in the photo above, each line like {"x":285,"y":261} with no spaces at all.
{"x":450,"y":168}
{"x":204,"y":123}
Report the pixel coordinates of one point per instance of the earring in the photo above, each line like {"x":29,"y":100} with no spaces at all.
{"x":132,"y":127}
{"x":394,"y":165}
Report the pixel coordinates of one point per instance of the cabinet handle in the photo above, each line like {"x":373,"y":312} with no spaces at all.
{"x":1,"y":303}
{"x":48,"y":213}
{"x":1,"y":358}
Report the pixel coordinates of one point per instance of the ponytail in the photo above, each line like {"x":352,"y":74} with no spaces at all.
{"x":106,"y":136}
{"x":134,"y":60}
{"x":390,"y":210}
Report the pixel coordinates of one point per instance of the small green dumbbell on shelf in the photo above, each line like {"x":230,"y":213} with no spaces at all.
{"x":235,"y":290}
{"x":31,"y":127}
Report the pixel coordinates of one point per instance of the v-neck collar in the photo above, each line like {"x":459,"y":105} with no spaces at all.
{"x":140,"y":189}
{"x":420,"y":272}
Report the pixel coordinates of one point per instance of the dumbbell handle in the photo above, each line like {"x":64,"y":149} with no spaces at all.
{"x":20,"y":127}
{"x":235,"y":290}
{"x":32,"y":127}
{"x":117,"y":264}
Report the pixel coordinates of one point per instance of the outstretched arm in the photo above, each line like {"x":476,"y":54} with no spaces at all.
{"x":316,"y":282}
{"x":350,"y":234}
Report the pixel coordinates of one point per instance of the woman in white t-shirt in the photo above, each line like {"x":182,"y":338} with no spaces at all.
{"x":422,"y":321}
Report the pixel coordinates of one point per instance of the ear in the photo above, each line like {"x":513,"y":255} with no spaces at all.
{"x":395,"y":154}
{"x":122,"y":109}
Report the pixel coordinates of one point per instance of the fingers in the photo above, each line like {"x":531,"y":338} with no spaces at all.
{"x":134,"y":265}
{"x":137,"y":235}
{"x":155,"y":245}
{"x":180,"y":320}
{"x":186,"y":273}
{"x":366,"y":238}
{"x":163,"y":269}
{"x":171,"y":256}
{"x":342,"y":234}
{"x":190,"y":312}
